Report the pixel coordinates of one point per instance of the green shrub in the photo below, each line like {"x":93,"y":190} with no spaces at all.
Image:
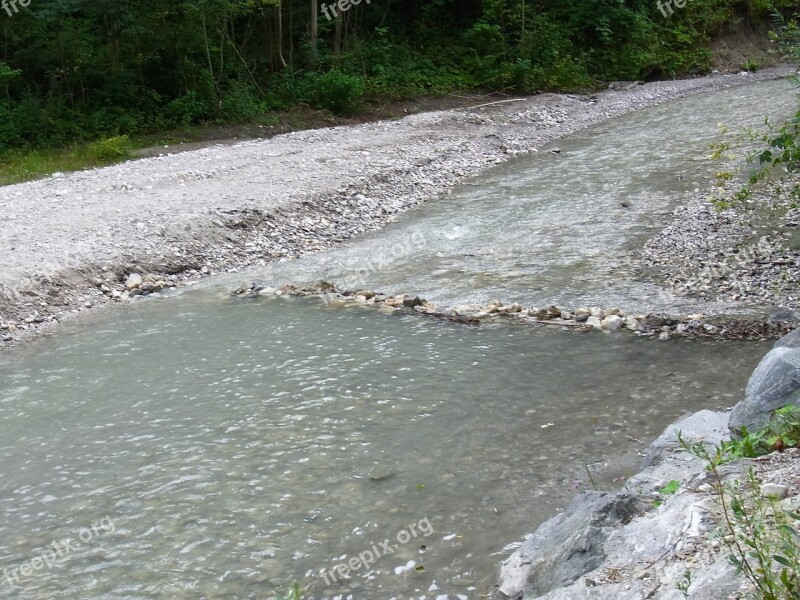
{"x":751,"y":66}
{"x":110,"y":149}
{"x":334,"y":90}
{"x":188,"y":109}
{"x":241,"y":103}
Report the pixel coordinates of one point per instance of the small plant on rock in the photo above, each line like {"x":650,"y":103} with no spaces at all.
{"x":760,"y":533}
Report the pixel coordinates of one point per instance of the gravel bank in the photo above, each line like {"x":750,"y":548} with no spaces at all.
{"x":70,"y":242}
{"x":740,"y":248}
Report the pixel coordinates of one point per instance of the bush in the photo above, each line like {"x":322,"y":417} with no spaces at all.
{"x":241,"y":103}
{"x":334,"y":90}
{"x":188,"y":109}
{"x":110,"y":149}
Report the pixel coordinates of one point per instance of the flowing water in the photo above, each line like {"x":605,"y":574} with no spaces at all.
{"x":225,"y":448}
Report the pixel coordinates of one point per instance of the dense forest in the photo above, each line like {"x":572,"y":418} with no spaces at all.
{"x":75,"y":70}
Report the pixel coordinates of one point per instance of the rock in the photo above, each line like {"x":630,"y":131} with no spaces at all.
{"x":654,"y":321}
{"x":663,"y":336}
{"x":413,"y":302}
{"x":681,"y":328}
{"x":367,"y":294}
{"x":632,"y":323}
{"x":790,"y":340}
{"x":582,"y":313}
{"x":598,"y":312}
{"x":134,"y":281}
{"x":594,"y":322}
{"x":709,"y":426}
{"x":380,"y":474}
{"x":394,"y":302}
{"x":568,"y":546}
{"x":612,"y":322}
{"x":774,"y":383}
{"x":774,"y":490}
{"x":566,"y":315}
{"x":781,"y":315}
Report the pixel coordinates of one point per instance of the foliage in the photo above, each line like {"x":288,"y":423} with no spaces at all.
{"x":781,"y":144}
{"x":750,"y":65}
{"x":81,"y":70}
{"x":760,"y":534}
{"x":334,"y":90}
{"x":293,"y":594}
{"x":111,"y":149}
{"x":781,"y":432}
{"x":685,"y":583}
{"x":672,"y":487}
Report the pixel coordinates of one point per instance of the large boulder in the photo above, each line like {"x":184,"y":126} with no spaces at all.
{"x":790,"y":340}
{"x":705,"y":426}
{"x":774,"y":383}
{"x":568,"y":545}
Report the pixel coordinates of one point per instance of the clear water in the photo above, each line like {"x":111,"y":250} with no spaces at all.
{"x":226,"y":448}
{"x":232,"y":444}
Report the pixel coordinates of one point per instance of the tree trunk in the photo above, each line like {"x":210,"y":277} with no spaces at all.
{"x":314,"y":32}
{"x":337,"y":35}
{"x":280,"y":34}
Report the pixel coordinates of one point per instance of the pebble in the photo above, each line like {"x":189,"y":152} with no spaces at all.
{"x":598,"y":312}
{"x":774,"y":490}
{"x":582,"y":313}
{"x":595,"y":322}
{"x":133,"y":281}
{"x":612,"y":322}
